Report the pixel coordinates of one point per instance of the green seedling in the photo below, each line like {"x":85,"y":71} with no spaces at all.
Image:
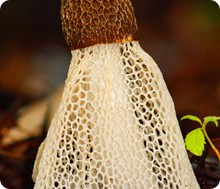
{"x":196,"y":139}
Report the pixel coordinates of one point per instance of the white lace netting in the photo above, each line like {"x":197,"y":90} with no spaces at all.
{"x":115,"y":127}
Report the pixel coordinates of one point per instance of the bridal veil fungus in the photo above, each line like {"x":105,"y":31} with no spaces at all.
{"x":116,"y":125}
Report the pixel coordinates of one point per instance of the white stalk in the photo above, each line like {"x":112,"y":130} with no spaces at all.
{"x":115,"y":127}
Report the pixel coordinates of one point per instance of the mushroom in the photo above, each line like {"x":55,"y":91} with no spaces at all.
{"x":116,"y":125}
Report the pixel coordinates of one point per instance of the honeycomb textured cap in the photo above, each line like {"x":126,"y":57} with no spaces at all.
{"x":90,"y":22}
{"x":115,"y":127}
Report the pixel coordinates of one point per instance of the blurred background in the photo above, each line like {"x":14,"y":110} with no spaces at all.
{"x":183,"y":37}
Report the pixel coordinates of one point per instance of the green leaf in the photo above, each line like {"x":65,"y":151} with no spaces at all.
{"x":211,"y":119}
{"x":193,"y":118}
{"x":195,"y":141}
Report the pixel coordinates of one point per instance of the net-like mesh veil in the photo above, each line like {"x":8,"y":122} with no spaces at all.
{"x":115,"y":126}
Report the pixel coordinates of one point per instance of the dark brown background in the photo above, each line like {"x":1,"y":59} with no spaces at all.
{"x":183,"y":37}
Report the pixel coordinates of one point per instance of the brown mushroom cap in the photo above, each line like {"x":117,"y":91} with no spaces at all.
{"x":90,"y":22}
